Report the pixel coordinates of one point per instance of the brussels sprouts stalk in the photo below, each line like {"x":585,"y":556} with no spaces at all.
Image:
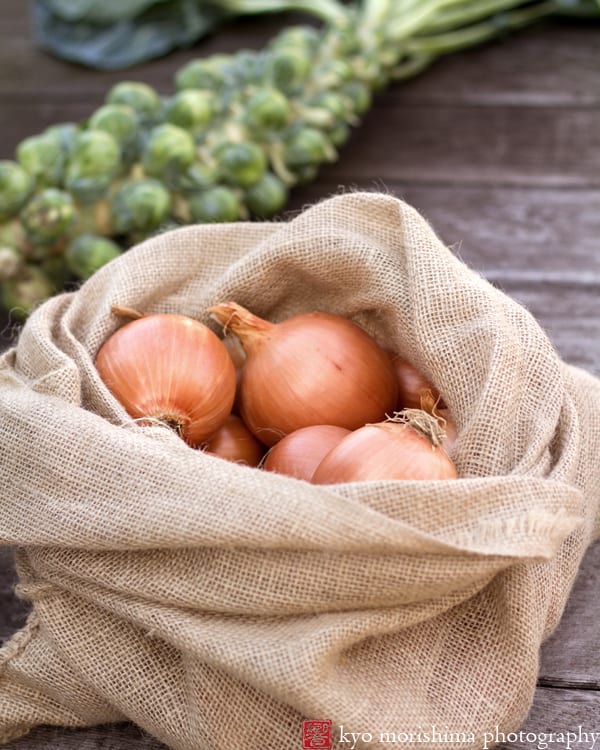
{"x":451,"y":41}
{"x":238,"y":131}
{"x":328,"y":10}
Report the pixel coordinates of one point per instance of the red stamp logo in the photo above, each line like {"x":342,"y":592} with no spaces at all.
{"x":316,"y":734}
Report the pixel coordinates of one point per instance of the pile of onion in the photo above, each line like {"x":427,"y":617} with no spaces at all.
{"x":316,"y":387}
{"x":311,"y":369}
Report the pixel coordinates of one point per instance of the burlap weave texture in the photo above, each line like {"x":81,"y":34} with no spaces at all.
{"x":217,"y":606}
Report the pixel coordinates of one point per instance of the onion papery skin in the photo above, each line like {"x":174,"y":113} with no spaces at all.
{"x":170,"y":368}
{"x":299,"y":453}
{"x":387,"y":450}
{"x":414,"y":390}
{"x":233,"y":441}
{"x":311,"y":369}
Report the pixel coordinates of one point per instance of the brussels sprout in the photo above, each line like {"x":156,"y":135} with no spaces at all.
{"x":87,"y":253}
{"x":359,"y":94}
{"x":48,"y":215}
{"x":339,"y":135}
{"x":305,"y":38}
{"x":11,"y":262}
{"x":344,"y":42}
{"x":93,"y":164}
{"x":12,"y":234}
{"x":315,"y":117}
{"x":268,"y":196}
{"x":203,"y":74}
{"x":306,"y":173}
{"x":56,"y":270}
{"x":121,"y":122}
{"x":288,"y":69}
{"x":198,"y":177}
{"x":372,"y":71}
{"x":267,"y":109}
{"x":241,"y":164}
{"x":15,"y":187}
{"x":247,"y":68}
{"x":142,"y":98}
{"x":332,"y":102}
{"x":140,"y":206}
{"x":65,"y":133}
{"x":169,"y":151}
{"x":93,"y":218}
{"x":21,"y":294}
{"x":219,"y":204}
{"x":307,"y":147}
{"x":190,"y":109}
{"x":43,"y":157}
{"x":333,"y":73}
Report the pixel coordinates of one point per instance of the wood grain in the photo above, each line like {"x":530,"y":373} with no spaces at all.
{"x":494,"y":229}
{"x":570,"y":657}
{"x":559,"y":712}
{"x":109,"y":737}
{"x":503,"y":145}
{"x":515,"y":70}
{"x":554,"y":711}
{"x":499,"y":148}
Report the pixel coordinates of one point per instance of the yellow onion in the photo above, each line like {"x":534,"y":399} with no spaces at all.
{"x":314,"y":368}
{"x":299,"y":453}
{"x":414,"y":390}
{"x":407,"y":449}
{"x":233,"y":441}
{"x":238,"y":357}
{"x":430,"y":404}
{"x":173,"y":369}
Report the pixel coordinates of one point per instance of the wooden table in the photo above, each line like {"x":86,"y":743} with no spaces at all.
{"x":500,"y":149}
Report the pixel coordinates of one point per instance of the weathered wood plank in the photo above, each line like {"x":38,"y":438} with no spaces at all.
{"x":109,"y":737}
{"x":569,"y":317}
{"x":534,"y":141}
{"x":536,"y":146}
{"x":517,"y":68}
{"x":494,"y":229}
{"x":570,"y":657}
{"x":559,"y":712}
{"x":554,"y":711}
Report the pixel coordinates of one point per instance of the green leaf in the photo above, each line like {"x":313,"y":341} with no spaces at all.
{"x":92,"y":11}
{"x":115,"y":34}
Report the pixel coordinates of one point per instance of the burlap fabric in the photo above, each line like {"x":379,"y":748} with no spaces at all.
{"x":217,"y":606}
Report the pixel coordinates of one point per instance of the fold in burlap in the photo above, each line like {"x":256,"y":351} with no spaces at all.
{"x":215,"y":605}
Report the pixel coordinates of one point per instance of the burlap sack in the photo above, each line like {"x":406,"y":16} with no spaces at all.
{"x":217,"y":606}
